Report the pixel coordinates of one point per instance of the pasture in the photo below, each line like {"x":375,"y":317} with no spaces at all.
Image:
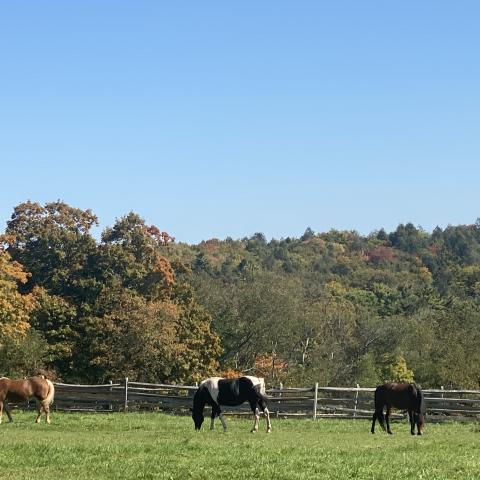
{"x":158,"y":446}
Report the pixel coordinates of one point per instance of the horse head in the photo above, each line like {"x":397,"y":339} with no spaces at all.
{"x":197,"y":416}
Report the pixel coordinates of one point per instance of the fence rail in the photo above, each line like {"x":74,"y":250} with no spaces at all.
{"x":315,"y":401}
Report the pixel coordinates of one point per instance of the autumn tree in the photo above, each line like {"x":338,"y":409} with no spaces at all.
{"x":130,"y":256}
{"x":15,"y":307}
{"x":54,"y":244}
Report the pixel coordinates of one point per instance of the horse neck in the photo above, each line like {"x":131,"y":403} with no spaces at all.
{"x":199,"y":400}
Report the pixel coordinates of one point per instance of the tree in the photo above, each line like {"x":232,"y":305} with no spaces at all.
{"x":24,"y":356}
{"x":54,"y":244}
{"x":56,"y":319}
{"x":15,"y":307}
{"x":146,"y":340}
{"x":130,"y":256}
{"x":395,"y":370}
{"x":130,"y":336}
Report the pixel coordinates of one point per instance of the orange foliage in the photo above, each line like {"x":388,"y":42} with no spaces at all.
{"x":381,"y":254}
{"x":162,"y":238}
{"x":210,"y":245}
{"x":230,"y":373}
{"x":270,"y":366}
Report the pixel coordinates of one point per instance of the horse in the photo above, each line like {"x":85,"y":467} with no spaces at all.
{"x":404,"y":396}
{"x":217,"y":391}
{"x":22,"y":390}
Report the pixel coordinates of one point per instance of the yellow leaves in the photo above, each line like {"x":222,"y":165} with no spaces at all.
{"x":15,"y":308}
{"x":335,"y":288}
{"x":396,"y":370}
{"x":425,"y":274}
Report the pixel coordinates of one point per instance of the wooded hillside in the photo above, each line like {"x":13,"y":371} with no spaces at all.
{"x":339,"y":308}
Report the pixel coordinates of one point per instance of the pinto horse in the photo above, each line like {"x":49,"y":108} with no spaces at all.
{"x":217,"y":391}
{"x":22,"y":390}
{"x":404,"y":396}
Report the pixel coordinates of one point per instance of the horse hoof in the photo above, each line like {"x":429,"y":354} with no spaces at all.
{"x":253,"y":431}
{"x":269,"y":431}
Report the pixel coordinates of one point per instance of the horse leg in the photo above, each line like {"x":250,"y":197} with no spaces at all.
{"x":256,"y":413}
{"x":39,"y":412}
{"x":212,"y":417}
{"x":222,"y":419}
{"x":417,"y":421}
{"x":257,"y":420}
{"x":7,"y":411}
{"x":46,"y":409}
{"x":266,"y":412}
{"x":215,"y":413}
{"x":387,"y":419}
{"x":411,"y":418}
{"x":267,"y":415}
{"x":4,"y":405}
{"x":374,"y":419}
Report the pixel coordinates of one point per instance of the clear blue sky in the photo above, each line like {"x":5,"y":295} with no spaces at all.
{"x":215,"y":118}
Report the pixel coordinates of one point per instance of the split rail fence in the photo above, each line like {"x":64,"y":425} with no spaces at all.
{"x":315,"y":402}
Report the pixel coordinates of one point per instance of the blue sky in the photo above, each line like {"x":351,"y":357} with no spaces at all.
{"x":215,"y":119}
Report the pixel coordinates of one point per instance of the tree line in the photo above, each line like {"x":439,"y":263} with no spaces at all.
{"x":338,"y":307}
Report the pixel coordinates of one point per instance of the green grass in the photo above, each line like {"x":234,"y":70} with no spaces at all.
{"x":153,"y":445}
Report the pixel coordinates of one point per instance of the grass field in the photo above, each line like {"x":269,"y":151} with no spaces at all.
{"x":153,"y":445}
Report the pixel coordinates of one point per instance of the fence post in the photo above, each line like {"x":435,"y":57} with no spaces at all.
{"x":315,"y":401}
{"x":356,"y":402}
{"x":280,"y":394}
{"x":110,"y":406}
{"x":126,"y":394}
{"x":443,"y":403}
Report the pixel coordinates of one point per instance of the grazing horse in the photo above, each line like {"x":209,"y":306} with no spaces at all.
{"x":404,"y":396}
{"x":22,"y":390}
{"x":216,"y":391}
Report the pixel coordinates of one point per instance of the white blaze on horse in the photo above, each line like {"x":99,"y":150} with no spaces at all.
{"x":231,"y":392}
{"x":22,"y":390}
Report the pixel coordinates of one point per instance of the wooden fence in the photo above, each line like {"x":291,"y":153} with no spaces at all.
{"x":314,"y":402}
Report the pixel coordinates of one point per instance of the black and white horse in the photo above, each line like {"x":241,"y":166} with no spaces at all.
{"x":231,"y":392}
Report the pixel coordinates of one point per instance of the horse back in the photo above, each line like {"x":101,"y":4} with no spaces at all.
{"x":22,"y":390}
{"x":404,"y":396}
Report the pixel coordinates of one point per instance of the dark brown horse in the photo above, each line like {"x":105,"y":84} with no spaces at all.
{"x":403,"y":396}
{"x":22,"y":390}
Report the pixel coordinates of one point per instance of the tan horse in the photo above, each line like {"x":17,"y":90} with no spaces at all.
{"x":22,"y":390}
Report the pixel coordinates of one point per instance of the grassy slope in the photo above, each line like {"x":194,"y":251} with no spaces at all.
{"x":146,"y":446}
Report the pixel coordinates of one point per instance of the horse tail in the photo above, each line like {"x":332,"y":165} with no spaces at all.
{"x":51,"y":392}
{"x":422,"y":408}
